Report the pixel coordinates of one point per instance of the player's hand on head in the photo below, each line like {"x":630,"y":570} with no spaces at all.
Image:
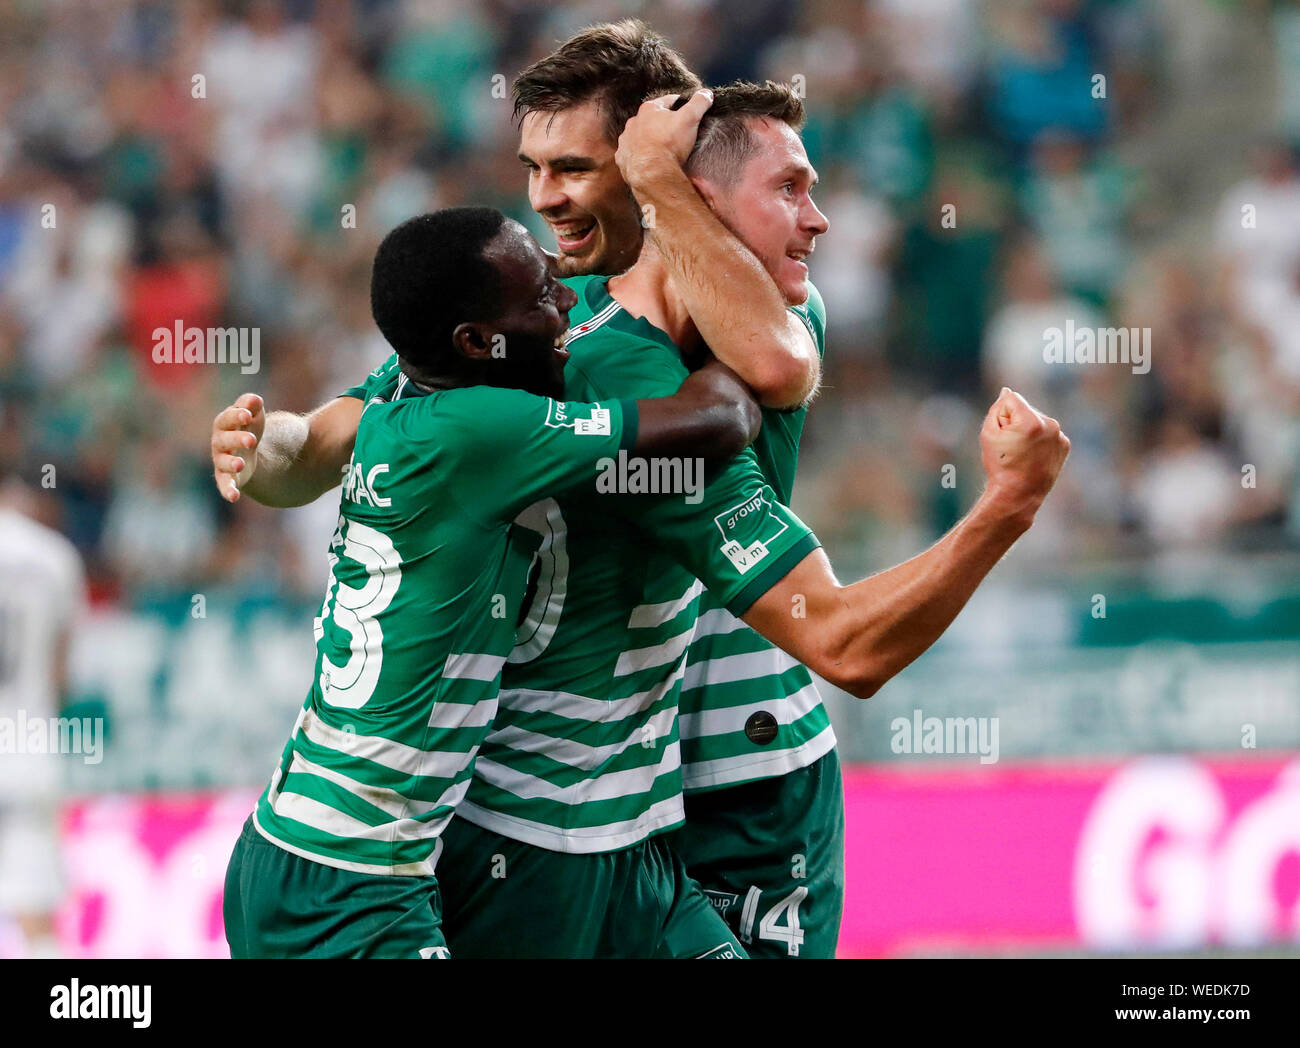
{"x":236,"y":432}
{"x":659,"y":134}
{"x":1023,"y":451}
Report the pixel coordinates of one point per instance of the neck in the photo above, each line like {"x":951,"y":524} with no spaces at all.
{"x":646,"y":291}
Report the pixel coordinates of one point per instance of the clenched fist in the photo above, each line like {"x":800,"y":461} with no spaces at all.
{"x":1023,"y":452}
{"x":236,"y":432}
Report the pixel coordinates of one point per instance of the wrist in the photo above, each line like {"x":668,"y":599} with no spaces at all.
{"x":1007,"y":510}
{"x":653,"y":173}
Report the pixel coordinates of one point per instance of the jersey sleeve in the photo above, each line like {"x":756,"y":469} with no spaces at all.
{"x":515,"y":447}
{"x":732,"y":533}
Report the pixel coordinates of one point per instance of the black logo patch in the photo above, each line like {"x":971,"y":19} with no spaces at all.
{"x":761,"y":728}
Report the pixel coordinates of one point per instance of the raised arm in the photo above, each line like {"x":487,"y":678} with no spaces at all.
{"x":859,"y":636}
{"x":734,"y":302}
{"x":282,"y":459}
{"x":713,"y":416}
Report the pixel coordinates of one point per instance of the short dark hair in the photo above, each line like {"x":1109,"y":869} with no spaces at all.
{"x":620,"y":64}
{"x":430,"y":275}
{"x":725,"y":141}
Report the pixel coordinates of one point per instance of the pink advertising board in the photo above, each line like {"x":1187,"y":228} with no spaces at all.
{"x":1157,"y":853}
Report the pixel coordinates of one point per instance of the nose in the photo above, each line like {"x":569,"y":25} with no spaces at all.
{"x":567,"y":298}
{"x":545,"y":193}
{"x":814,"y":221}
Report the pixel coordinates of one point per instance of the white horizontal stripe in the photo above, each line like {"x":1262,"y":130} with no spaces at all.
{"x":579,"y":840}
{"x":664,"y":654}
{"x":630,"y":782}
{"x":747,"y":665}
{"x":786,"y":710}
{"x":325,"y":819}
{"x":579,"y":707}
{"x":452,"y":715}
{"x":390,"y":802}
{"x":393,"y":755}
{"x":579,"y":755}
{"x":645,"y":616}
{"x":731,"y":771}
{"x":717,"y":622}
{"x":473,"y":666}
{"x":408,"y":869}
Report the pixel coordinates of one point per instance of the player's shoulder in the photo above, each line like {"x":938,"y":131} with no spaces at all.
{"x":35,"y":543}
{"x":450,"y":417}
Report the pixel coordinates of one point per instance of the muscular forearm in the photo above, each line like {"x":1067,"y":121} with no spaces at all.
{"x":888,"y":620}
{"x":733,"y":300}
{"x":859,"y":636}
{"x":292,"y":468}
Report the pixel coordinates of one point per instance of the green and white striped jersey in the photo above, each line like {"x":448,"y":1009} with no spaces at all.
{"x":748,"y":710}
{"x":427,"y":577}
{"x":585,"y":754}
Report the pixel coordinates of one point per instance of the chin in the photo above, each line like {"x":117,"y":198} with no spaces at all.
{"x":795,"y":291}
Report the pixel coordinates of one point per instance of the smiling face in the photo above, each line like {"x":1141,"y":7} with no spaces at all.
{"x":534,"y":315}
{"x":769,"y":205}
{"x":574,"y":184}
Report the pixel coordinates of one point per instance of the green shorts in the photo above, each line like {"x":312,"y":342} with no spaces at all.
{"x":278,"y":904}
{"x":505,"y":898}
{"x":770,"y":855}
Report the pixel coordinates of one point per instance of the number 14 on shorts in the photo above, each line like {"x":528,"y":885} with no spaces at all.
{"x":779,"y":924}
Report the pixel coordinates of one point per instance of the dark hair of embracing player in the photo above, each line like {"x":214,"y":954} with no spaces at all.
{"x":620,"y":64}
{"x":429,"y":276}
{"x":725,"y":141}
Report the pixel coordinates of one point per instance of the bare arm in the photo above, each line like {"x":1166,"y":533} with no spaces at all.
{"x":282,"y":459}
{"x":734,"y":302}
{"x":713,"y":415}
{"x":859,"y":636}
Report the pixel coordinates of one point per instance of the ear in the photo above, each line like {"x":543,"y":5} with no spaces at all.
{"x":472,"y":341}
{"x":708,"y":190}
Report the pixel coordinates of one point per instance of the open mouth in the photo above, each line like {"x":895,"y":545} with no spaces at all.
{"x":561,"y":353}
{"x":573,"y":238}
{"x":800,"y":256}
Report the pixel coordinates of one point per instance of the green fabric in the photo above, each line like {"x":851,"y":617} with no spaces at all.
{"x":279,"y":905}
{"x":507,"y":899}
{"x":749,"y":841}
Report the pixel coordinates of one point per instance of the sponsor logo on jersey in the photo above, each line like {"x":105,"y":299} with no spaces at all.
{"x":722,"y":901}
{"x":748,"y":529}
{"x":761,"y":728}
{"x":724,"y":952}
{"x":599,"y":424}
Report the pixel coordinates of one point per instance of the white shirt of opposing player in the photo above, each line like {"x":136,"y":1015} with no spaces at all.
{"x":42,"y":591}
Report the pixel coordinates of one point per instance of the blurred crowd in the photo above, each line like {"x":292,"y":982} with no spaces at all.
{"x":991,"y":169}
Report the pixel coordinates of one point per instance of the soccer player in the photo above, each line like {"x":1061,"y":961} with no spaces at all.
{"x":426,"y":579}
{"x":559,"y":847}
{"x":574,"y":105}
{"x":42,"y":594}
{"x":909,"y":614}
